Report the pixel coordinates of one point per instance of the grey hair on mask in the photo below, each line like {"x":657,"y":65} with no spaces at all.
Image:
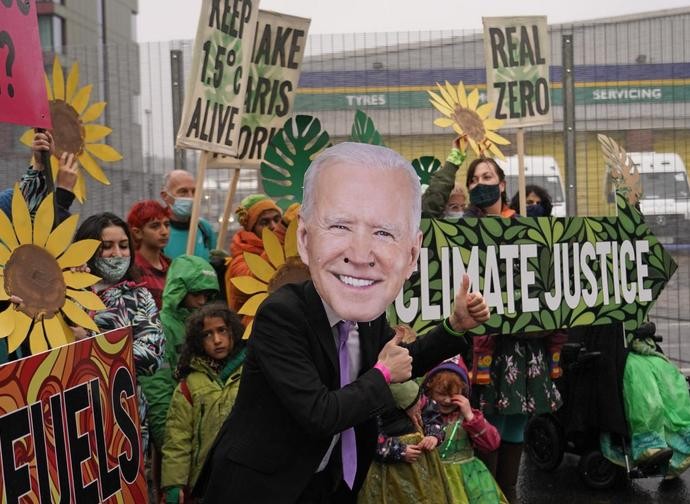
{"x":374,"y":157}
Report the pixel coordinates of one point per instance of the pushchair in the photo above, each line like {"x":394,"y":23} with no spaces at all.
{"x":593,"y":363}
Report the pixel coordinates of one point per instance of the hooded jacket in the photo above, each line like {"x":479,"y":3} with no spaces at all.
{"x":186,"y":274}
{"x":200,"y":404}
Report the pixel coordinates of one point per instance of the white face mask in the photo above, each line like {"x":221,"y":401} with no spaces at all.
{"x":453,"y":215}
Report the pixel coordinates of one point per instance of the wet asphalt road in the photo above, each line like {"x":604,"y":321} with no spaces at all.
{"x":564,"y":486}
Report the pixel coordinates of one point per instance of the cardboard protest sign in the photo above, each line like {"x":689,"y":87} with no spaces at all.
{"x":539,"y":273}
{"x":23,"y":98}
{"x":218,"y":78}
{"x":274,"y":73}
{"x":517,"y":54}
{"x":69,"y":424}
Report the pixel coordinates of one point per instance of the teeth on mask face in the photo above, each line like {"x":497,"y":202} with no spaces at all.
{"x":355,"y":282}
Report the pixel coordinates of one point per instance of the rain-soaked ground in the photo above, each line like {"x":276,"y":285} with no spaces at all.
{"x":564,"y":486}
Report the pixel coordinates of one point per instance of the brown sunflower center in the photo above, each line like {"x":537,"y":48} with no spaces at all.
{"x":68,"y":131}
{"x":470,"y":122}
{"x":34,"y":275}
{"x":293,"y":271}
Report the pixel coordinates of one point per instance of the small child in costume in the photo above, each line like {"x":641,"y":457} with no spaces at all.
{"x":209,"y":372}
{"x":407,"y":468}
{"x":465,"y":429}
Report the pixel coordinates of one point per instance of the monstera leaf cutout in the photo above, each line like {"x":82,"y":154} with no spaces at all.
{"x":288,"y":156}
{"x":425,"y":167}
{"x":364,"y":131}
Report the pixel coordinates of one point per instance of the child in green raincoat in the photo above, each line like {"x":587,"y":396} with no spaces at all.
{"x":209,"y":373}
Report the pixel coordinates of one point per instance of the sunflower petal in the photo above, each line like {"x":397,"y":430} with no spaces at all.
{"x":62,"y":235}
{"x":22,"y":324}
{"x":446,"y":97}
{"x":54,"y":166}
{"x":496,"y":138}
{"x":474,"y":146}
{"x":259,"y":268}
{"x":457,"y":129}
{"x":80,"y":187}
{"x":58,"y":80}
{"x":4,"y":296}
{"x":273,"y":248}
{"x":37,"y":339}
{"x":72,"y":82}
{"x":444,"y":122}
{"x":252,"y":304}
{"x":496,"y":151}
{"x":484,"y":110}
{"x":440,"y":104}
{"x":493,"y":124}
{"x":291,"y":239}
{"x":104,"y":152}
{"x":27,"y":137}
{"x":93,"y":112}
{"x":78,"y":316}
{"x":249,"y":285}
{"x":78,"y":253}
{"x":87,"y":299}
{"x":4,"y":254}
{"x":43,"y":222}
{"x":451,"y":91}
{"x":81,"y":99}
{"x":79,"y":279}
{"x":92,"y":168}
{"x":473,"y":99}
{"x":20,"y":217}
{"x":57,"y":332}
{"x":6,"y":322}
{"x":95,"y":132}
{"x":462,"y":94}
{"x":49,"y":88}
{"x":248,"y":330}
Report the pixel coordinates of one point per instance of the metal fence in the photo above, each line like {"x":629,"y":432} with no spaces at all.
{"x":632,"y":82}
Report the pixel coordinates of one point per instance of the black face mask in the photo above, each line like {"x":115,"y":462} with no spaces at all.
{"x":485,"y":195}
{"x":536,"y":210}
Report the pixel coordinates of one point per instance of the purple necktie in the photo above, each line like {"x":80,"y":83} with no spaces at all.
{"x":348,"y":444}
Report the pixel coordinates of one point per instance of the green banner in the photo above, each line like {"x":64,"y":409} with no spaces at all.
{"x":610,"y":95}
{"x":539,"y":273}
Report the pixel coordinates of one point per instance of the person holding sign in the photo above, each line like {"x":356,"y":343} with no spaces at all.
{"x":510,"y":372}
{"x":321,"y":354}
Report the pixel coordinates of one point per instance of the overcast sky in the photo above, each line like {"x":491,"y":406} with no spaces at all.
{"x":177,"y":19}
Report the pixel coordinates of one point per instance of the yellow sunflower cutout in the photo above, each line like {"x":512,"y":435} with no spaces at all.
{"x":73,"y":128}
{"x":284,"y":266}
{"x":35,"y":266}
{"x":468,"y":119}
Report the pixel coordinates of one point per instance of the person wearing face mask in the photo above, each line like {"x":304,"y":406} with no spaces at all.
{"x":127,"y":302}
{"x":512,"y":376}
{"x":255,"y":213}
{"x":538,"y":202}
{"x":457,"y":203}
{"x":178,"y":194}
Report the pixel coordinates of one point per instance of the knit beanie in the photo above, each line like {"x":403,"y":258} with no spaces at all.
{"x":454,"y":364}
{"x":252,"y":207}
{"x":405,"y":394}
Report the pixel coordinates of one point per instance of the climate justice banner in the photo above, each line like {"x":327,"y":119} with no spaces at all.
{"x":69,"y":424}
{"x":539,"y":273}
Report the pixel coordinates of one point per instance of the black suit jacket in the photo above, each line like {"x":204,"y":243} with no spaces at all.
{"x":290,"y":404}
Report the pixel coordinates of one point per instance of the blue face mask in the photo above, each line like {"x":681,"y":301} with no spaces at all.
{"x":182,"y":208}
{"x":111,"y":269}
{"x":453,"y":215}
{"x":536,"y":210}
{"x":485,"y":195}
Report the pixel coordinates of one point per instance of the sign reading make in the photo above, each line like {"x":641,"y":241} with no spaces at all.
{"x":517,"y":54}
{"x":218,"y":79}
{"x":23,"y":98}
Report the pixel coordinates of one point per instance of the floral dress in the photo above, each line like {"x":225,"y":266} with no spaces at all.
{"x":130,"y":304}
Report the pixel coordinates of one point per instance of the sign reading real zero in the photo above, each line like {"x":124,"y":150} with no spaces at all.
{"x":517,"y":54}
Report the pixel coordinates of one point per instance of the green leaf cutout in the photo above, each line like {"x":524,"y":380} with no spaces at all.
{"x":364,"y":131}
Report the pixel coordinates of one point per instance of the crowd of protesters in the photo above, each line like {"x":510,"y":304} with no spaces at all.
{"x":189,"y":352}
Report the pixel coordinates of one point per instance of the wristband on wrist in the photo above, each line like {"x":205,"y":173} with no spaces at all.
{"x":384,"y":371}
{"x":449,"y":329}
{"x":456,"y":156}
